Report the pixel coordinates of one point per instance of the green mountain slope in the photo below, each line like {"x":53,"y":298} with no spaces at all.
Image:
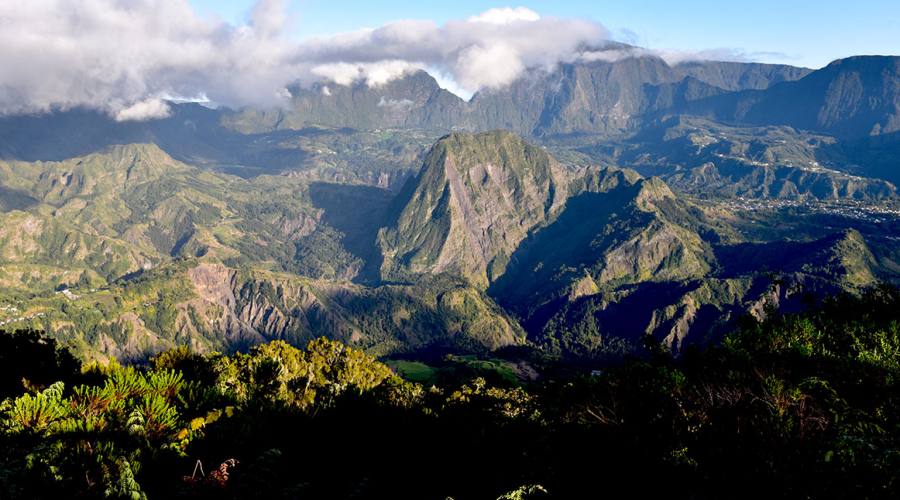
{"x":494,"y":243}
{"x":134,"y":207}
{"x":595,"y":267}
{"x":211,"y":307}
{"x":751,"y":279}
{"x":474,"y":201}
{"x":709,"y":159}
{"x":605,"y":239}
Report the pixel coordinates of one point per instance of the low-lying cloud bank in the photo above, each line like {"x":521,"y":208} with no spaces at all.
{"x":489,"y":50}
{"x":128,"y":58}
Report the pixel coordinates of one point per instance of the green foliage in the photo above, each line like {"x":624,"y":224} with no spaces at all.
{"x":93,"y":439}
{"x":34,"y":413}
{"x":414,"y":371}
{"x":321,"y":254}
{"x":846,"y":327}
{"x":802,"y":405}
{"x":500,"y":403}
{"x":310,"y":380}
{"x":524,"y":493}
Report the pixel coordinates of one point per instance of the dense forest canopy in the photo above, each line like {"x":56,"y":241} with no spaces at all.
{"x":799,"y":405}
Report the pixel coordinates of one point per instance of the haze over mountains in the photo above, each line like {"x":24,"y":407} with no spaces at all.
{"x":576,"y":209}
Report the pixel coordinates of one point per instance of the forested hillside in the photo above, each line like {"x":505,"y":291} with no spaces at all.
{"x":495,"y":242}
{"x":797,"y":405}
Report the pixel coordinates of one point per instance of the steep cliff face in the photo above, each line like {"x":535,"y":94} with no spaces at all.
{"x":600,"y":97}
{"x":211,"y":307}
{"x":490,"y":208}
{"x":736,"y":76}
{"x":612,"y":96}
{"x":502,"y":215}
{"x":851,"y":98}
{"x":472,"y":204}
{"x":600,"y":257}
{"x":249,"y":308}
{"x":603,"y":94}
{"x":412,"y":101}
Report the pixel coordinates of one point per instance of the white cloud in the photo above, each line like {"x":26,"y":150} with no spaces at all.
{"x":612,"y":55}
{"x":486,"y":51}
{"x":117,"y":55}
{"x":374,"y":74}
{"x":505,"y":15}
{"x":127,"y":57}
{"x":124,"y":56}
{"x":491,"y":66}
{"x":682,"y":56}
{"x":447,"y":83}
{"x":395,"y":103}
{"x":268,"y":17}
{"x":148,"y":109}
{"x":670,"y":56}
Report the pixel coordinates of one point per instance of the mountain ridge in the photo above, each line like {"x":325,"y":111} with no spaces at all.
{"x":853,"y":97}
{"x":495,"y":238}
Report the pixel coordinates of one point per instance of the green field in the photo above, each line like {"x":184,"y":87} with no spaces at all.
{"x":455,"y":367}
{"x":414,"y":371}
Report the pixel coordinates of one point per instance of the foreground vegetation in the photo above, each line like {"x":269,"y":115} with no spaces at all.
{"x":800,"y":405}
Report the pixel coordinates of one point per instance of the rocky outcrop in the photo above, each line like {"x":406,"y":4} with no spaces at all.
{"x":234,"y":308}
{"x":473,"y":203}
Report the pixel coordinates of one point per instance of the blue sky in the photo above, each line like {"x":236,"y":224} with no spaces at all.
{"x":800,"y":32}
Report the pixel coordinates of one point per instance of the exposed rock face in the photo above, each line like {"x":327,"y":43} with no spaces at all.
{"x":853,"y":97}
{"x":599,"y":97}
{"x":609,"y":258}
{"x":480,"y":196}
{"x":249,"y":308}
{"x":473,"y":203}
{"x":211,"y":307}
{"x":414,"y":101}
{"x":490,"y":209}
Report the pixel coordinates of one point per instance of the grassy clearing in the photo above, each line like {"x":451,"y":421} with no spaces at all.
{"x":499,"y":368}
{"x":454,"y":367}
{"x":414,"y":371}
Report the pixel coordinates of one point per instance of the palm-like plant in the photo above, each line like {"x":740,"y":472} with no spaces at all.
{"x":37,"y":413}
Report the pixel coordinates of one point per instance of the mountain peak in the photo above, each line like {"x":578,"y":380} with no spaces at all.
{"x":865,"y":61}
{"x":474,"y":201}
{"x":498,"y":147}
